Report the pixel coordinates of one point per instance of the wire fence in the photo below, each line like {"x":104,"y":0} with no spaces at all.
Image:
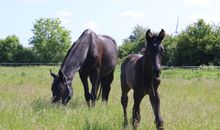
{"x":29,"y":64}
{"x":191,"y":67}
{"x":58,"y":64}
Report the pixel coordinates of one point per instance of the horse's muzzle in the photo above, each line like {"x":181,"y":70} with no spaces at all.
{"x":66,"y":99}
{"x":156,"y":72}
{"x":55,"y":99}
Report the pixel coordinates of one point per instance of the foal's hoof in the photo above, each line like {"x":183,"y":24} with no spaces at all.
{"x":125,"y":125}
{"x":135,"y":124}
{"x":160,"y":125}
{"x":160,"y":128}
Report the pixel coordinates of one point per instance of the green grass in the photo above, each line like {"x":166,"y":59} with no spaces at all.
{"x":190,"y":100}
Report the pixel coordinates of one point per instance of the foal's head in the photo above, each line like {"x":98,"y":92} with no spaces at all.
{"x":154,"y":50}
{"x":61,"y":89}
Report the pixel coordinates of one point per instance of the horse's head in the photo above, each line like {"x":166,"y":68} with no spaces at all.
{"x":154,"y":50}
{"x":61,"y":89}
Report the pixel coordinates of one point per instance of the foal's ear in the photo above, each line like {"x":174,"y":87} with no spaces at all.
{"x":161,"y":35}
{"x":148,"y":35}
{"x":52,"y":74}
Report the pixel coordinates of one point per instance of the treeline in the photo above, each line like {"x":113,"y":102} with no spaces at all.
{"x":198,"y":44}
{"x":49,"y":44}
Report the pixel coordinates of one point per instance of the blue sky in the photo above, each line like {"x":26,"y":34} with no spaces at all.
{"x":116,"y":18}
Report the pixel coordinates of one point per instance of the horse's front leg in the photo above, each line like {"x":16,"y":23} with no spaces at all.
{"x":95,"y":81}
{"x":84,"y":79}
{"x":155,"y":103}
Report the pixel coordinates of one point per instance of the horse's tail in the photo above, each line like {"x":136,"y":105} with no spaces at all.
{"x":99,"y":91}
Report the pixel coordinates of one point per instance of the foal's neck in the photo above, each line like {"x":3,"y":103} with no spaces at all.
{"x":147,"y":67}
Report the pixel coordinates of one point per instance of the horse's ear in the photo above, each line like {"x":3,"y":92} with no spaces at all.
{"x":148,"y":35}
{"x":62,"y":76}
{"x":52,"y":74}
{"x":161,"y":35}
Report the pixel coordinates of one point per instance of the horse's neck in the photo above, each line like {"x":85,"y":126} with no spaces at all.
{"x":74,"y":59}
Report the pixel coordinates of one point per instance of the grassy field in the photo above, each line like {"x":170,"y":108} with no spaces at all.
{"x":190,"y":100}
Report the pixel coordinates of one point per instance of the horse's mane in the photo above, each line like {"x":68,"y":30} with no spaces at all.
{"x":69,"y":51}
{"x":74,"y":45}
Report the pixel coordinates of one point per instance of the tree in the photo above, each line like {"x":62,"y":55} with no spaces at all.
{"x":25,"y":55}
{"x":198,"y":44}
{"x":8,"y":47}
{"x":50,"y":41}
{"x":137,"y":33}
{"x":195,"y":45}
{"x":169,"y":44}
{"x":216,"y":46}
{"x":134,"y":43}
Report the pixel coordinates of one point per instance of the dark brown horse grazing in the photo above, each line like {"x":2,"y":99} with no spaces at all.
{"x":94,"y":56}
{"x":142,"y":74}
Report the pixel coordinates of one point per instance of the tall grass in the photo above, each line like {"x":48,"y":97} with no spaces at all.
{"x":189,"y":101}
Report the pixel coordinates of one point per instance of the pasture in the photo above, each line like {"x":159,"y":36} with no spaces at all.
{"x":190,"y":100}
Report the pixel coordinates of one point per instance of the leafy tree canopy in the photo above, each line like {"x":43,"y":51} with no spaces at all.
{"x":50,"y":41}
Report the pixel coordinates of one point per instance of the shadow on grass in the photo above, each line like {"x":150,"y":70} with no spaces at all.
{"x":40,"y":104}
{"x":77,"y":102}
{"x":95,"y":125}
{"x":44,"y":103}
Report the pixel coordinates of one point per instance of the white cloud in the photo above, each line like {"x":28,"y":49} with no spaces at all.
{"x":64,"y":16}
{"x":33,"y":1}
{"x":91,"y":25}
{"x":119,"y":1}
{"x":198,"y":2}
{"x":132,"y":14}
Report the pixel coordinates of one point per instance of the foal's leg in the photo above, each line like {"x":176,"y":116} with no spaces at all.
{"x":136,"y":117}
{"x":124,"y":101}
{"x":84,"y":79}
{"x":155,"y":103}
{"x":105,"y":85}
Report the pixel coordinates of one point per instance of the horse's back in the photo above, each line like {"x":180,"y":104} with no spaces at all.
{"x":107,"y":49}
{"x":128,"y":69}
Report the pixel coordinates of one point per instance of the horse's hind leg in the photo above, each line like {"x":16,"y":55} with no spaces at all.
{"x":84,"y":79}
{"x":106,"y":85}
{"x":95,"y":81}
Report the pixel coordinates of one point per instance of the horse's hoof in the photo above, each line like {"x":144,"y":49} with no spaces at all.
{"x":88,"y":103}
{"x":93,"y":103}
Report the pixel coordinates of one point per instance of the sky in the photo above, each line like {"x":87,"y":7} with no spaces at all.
{"x":116,"y":18}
